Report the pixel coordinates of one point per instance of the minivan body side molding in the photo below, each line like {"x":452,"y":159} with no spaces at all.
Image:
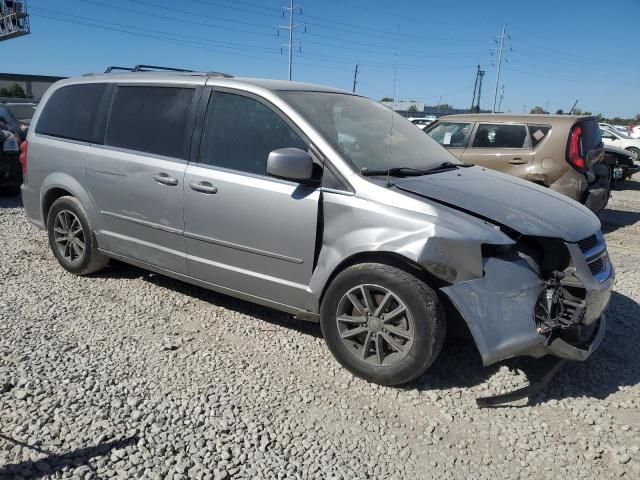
{"x":236,"y":246}
{"x":146,"y":223}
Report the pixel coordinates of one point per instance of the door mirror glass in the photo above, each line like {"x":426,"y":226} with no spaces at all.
{"x":292,"y":164}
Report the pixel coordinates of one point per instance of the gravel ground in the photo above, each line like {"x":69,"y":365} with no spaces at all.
{"x":132,"y":375}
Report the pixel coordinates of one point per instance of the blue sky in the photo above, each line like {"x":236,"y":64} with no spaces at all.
{"x":559,"y":50}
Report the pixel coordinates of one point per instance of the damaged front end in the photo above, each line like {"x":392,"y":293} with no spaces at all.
{"x":541,"y":296}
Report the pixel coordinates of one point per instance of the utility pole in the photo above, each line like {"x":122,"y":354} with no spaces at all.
{"x":481,"y":73}
{"x":291,"y":28}
{"x":500,"y":52}
{"x":524,"y":107}
{"x":439,"y":101}
{"x":574,"y":106}
{"x":355,"y":78}
{"x":501,"y":97}
{"x":475,"y":89}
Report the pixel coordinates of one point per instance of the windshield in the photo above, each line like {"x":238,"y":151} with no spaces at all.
{"x":22,"y":112}
{"x":361,"y":130}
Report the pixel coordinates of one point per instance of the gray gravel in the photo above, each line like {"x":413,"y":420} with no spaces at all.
{"x":129,"y":374}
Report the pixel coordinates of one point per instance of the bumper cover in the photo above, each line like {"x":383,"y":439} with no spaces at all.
{"x":498,"y":309}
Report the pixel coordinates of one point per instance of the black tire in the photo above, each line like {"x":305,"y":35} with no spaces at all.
{"x":90,"y":260}
{"x":423,"y":307}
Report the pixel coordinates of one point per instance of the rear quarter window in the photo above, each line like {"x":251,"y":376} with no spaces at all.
{"x":72,"y":113}
{"x":538,"y":133}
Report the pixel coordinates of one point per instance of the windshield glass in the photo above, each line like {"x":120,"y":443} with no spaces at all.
{"x":22,"y":112}
{"x":361,"y":130}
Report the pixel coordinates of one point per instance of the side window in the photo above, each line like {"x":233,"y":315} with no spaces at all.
{"x":606,"y":134}
{"x":450,"y":134}
{"x":151,"y":120}
{"x":538,"y":133}
{"x":72,"y":113}
{"x":240,"y":132}
{"x":501,"y":136}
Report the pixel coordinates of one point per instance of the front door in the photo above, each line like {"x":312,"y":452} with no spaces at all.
{"x":504,"y":147}
{"x":245,"y":231}
{"x":136,"y":178}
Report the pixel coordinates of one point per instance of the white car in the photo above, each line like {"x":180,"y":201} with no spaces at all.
{"x":423,"y":122}
{"x":635,"y":132}
{"x":611,"y":136}
{"x":619,"y":128}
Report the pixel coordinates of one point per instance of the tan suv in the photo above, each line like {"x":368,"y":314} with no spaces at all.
{"x":562,"y":152}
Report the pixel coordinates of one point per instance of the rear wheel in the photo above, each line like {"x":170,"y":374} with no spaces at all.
{"x":382,"y":323}
{"x":71,"y":239}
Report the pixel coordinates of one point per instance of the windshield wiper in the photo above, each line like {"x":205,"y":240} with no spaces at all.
{"x":393,"y":172}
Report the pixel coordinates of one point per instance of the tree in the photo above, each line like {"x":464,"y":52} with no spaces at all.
{"x":559,"y":112}
{"x":412,"y":109}
{"x":15,"y":91}
{"x":386,"y":99}
{"x":576,"y":111}
{"x":537,"y":110}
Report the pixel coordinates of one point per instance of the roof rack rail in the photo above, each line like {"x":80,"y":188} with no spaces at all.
{"x":113,"y":67}
{"x":153,"y":68}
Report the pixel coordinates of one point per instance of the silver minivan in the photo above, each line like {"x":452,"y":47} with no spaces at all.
{"x":317,"y":202}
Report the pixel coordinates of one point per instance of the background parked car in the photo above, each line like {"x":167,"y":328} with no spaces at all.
{"x":568,"y":161}
{"x":618,"y":128}
{"x":620,"y":163}
{"x":423,"y":122}
{"x":23,"y":113}
{"x":620,"y":140}
{"x":9,"y":122}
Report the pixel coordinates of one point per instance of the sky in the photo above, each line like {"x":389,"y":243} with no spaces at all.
{"x":556,"y":52}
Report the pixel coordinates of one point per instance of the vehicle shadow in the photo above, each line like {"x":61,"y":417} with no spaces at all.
{"x":612,"y":220}
{"x":274,"y":317}
{"x":616,"y":364}
{"x":14,"y":201}
{"x":53,"y":463}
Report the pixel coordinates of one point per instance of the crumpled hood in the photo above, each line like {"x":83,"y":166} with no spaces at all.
{"x":521,"y":205}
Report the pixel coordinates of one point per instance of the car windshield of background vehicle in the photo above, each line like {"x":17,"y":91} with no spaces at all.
{"x":450,"y":134}
{"x":367,"y":133}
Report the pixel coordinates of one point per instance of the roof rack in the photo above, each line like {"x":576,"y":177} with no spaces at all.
{"x":153,"y":68}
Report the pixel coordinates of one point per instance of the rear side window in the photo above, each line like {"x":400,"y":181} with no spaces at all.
{"x":501,"y":136}
{"x":72,"y":112}
{"x":538,"y":133}
{"x":151,"y":120}
{"x":450,"y":134}
{"x":240,"y":132}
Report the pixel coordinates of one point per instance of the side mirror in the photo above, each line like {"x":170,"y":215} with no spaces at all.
{"x":292,"y":164}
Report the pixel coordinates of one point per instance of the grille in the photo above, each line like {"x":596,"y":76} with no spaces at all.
{"x":588,"y":243}
{"x":597,"y":265}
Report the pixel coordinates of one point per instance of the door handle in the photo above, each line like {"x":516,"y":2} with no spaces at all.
{"x":203,"y":187}
{"x":165,"y":179}
{"x":517,"y":161}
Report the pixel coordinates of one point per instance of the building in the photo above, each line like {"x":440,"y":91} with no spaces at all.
{"x":404,"y":106}
{"x":33,"y":85}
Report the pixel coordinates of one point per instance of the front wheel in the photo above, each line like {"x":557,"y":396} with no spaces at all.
{"x":382,"y":323}
{"x":635,"y":152}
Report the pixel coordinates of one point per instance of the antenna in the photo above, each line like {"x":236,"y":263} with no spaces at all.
{"x":291,"y":9}
{"x":355,"y":78}
{"x":395,"y":76}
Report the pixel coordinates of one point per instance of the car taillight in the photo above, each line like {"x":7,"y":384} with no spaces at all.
{"x":574,"y":155}
{"x":24,"y":146}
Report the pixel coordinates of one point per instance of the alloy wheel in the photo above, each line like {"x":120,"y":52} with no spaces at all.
{"x":69,"y":236}
{"x":375,"y":325}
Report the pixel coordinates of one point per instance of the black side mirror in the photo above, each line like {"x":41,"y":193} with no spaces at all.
{"x":292,"y":164}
